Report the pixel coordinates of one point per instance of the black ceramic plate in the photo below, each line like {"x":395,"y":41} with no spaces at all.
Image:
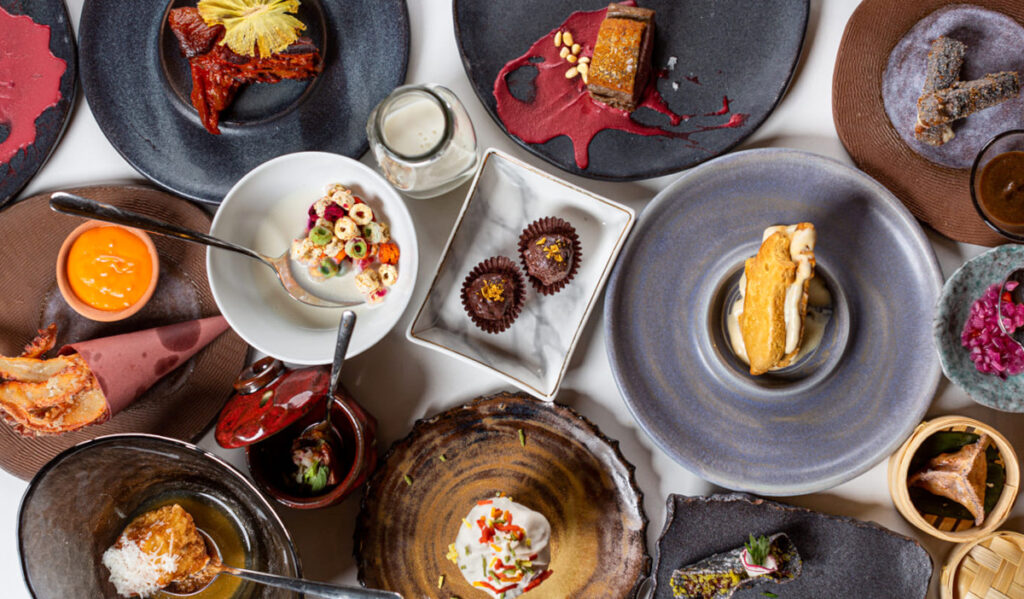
{"x":744,"y":50}
{"x":16,"y":172}
{"x":138,"y":87}
{"x":842,"y":557}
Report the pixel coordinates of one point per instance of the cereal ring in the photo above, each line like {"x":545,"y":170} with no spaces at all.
{"x":346,"y":228}
{"x":361,"y":213}
{"x":356,"y":248}
{"x":375,"y":232}
{"x":388,"y":274}
{"x":368,"y":281}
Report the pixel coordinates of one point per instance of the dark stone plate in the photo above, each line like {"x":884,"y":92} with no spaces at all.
{"x":138,"y":85}
{"x":842,"y":557}
{"x":736,"y":48}
{"x":15,"y":174}
{"x":565,"y":469}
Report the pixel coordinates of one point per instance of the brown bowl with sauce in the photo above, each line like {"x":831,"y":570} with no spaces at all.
{"x":107,"y":272}
{"x":997,"y":184}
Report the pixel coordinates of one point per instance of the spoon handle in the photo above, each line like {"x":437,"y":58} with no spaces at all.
{"x":318,"y":589}
{"x":78,"y":206}
{"x":345,"y":328}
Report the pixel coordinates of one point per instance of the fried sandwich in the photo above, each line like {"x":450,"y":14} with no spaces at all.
{"x":775,"y":296}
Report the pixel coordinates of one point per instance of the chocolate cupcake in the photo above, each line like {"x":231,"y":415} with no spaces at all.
{"x":550,"y":252}
{"x":492,"y":294}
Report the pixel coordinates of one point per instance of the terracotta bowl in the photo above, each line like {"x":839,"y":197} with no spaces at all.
{"x":269,"y":460}
{"x":85,"y":309}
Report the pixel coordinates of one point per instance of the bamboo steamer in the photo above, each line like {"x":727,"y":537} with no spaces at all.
{"x":951,"y":529}
{"x":991,"y":567}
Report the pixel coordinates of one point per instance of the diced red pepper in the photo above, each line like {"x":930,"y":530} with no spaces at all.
{"x":481,"y":583}
{"x":485,"y":502}
{"x":538,"y":580}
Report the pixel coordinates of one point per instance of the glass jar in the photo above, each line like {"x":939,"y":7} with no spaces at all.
{"x":423,"y":140}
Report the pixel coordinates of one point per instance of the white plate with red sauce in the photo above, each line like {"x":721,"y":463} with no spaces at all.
{"x":721,"y":67}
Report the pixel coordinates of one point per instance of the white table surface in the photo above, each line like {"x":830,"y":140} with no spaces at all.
{"x":431,"y":382}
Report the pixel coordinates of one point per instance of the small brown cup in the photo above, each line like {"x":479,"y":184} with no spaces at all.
{"x":1007,"y":141}
{"x":85,"y":309}
{"x":357,"y":459}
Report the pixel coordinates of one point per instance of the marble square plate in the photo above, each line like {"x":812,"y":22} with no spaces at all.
{"x":506,"y":196}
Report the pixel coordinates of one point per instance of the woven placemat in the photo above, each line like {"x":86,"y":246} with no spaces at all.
{"x":937,"y":195}
{"x":183,"y":403}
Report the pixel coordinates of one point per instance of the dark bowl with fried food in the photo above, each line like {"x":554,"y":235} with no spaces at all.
{"x":78,"y":504}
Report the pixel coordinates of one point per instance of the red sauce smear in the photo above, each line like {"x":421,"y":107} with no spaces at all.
{"x":29,"y":80}
{"x":562,"y":106}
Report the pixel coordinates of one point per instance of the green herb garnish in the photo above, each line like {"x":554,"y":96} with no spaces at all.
{"x":769,"y":594}
{"x":442,"y":458}
{"x":316,"y":476}
{"x":758,"y":549}
{"x":522,"y":438}
{"x":408,"y":480}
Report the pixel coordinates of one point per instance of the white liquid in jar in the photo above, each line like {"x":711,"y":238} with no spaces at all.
{"x":415,"y":127}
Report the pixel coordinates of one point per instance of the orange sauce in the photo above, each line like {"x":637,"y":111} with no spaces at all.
{"x":109,"y":268}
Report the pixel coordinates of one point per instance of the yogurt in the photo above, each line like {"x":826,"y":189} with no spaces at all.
{"x":502,"y":548}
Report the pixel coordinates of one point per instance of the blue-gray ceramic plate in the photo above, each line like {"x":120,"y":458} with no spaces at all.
{"x":19,"y":169}
{"x":842,"y":557}
{"x":138,"y":87}
{"x":822,"y":421}
{"x":966,"y":285}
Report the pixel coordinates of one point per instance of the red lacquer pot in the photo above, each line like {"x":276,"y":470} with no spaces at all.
{"x":270,"y":409}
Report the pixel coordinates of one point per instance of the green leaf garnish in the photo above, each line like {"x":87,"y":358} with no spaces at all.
{"x":758,"y":549}
{"x":316,"y":477}
{"x":769,"y":594}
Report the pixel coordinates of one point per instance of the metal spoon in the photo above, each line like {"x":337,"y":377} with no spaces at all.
{"x":202,"y":579}
{"x":317,"y":430}
{"x":1016,"y":297}
{"x":78,"y":206}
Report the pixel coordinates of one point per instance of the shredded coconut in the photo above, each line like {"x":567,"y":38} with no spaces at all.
{"x":675,"y":86}
{"x":671,"y":62}
{"x":135,"y":572}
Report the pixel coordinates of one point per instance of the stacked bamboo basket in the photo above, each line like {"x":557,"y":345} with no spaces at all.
{"x":989,"y":564}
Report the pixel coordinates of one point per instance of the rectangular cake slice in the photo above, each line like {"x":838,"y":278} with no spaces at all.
{"x":621,"y":63}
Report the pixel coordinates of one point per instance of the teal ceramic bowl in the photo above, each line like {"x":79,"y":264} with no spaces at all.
{"x":965,"y":286}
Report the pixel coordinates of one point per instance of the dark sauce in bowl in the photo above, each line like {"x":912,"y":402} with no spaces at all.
{"x":1000,"y":189}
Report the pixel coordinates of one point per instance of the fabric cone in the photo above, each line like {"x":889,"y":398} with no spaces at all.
{"x":127,"y":365}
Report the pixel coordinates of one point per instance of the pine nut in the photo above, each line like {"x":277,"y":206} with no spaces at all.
{"x":572,"y":72}
{"x":567,"y":38}
{"x":558,"y":38}
{"x":571,"y":58}
{"x":575,"y":48}
{"x":564,"y":52}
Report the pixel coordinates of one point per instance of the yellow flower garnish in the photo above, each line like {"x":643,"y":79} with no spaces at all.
{"x":493,"y":292}
{"x":251,"y":24}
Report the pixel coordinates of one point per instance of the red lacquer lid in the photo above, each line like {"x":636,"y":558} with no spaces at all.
{"x":268,"y":398}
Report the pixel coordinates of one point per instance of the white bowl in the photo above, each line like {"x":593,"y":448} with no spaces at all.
{"x":264,"y":211}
